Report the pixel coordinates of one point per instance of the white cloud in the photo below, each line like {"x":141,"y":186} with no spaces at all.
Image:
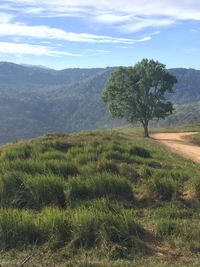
{"x":6,"y":18}
{"x":153,"y":13}
{"x":98,"y":50}
{"x":112,"y":18}
{"x":139,"y":24}
{"x":45,"y":32}
{"x":27,"y":49}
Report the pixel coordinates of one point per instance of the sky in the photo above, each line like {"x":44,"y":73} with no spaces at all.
{"x":99,"y":33}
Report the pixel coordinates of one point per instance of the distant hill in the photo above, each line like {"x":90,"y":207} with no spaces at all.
{"x":36,"y":100}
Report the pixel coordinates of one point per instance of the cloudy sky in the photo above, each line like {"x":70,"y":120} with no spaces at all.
{"x":98,"y":33}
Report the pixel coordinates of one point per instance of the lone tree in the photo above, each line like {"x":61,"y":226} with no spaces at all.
{"x":138,"y":93}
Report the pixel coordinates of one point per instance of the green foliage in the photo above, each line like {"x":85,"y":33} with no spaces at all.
{"x":35,"y":107}
{"x":138,"y":93}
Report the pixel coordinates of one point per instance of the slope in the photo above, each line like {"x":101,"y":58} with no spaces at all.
{"x":107,"y":198}
{"x":35,"y":101}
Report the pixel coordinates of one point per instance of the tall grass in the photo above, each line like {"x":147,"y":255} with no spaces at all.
{"x":164,"y":188}
{"x":61,"y":168}
{"x":45,"y":190}
{"x":99,"y":185}
{"x":13,"y":191}
{"x":22,"y":151}
{"x":55,"y":226}
{"x":84,"y":194}
{"x":17,"y":228}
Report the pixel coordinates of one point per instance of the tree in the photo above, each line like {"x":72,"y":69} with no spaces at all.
{"x":139,"y":93}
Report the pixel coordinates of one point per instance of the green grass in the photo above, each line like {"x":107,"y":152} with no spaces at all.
{"x":99,"y":185}
{"x":195,"y":139}
{"x":102,"y":198}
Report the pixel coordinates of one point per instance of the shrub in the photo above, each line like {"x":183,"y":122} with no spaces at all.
{"x":140,"y":152}
{"x":163,"y":188}
{"x":100,"y":185}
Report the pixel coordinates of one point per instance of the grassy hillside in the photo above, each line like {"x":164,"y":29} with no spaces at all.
{"x":35,"y":101}
{"x":107,"y":198}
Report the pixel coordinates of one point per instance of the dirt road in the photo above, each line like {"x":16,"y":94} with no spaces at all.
{"x":177,"y":143}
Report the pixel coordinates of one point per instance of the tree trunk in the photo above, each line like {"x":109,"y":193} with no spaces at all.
{"x":146,"y":129}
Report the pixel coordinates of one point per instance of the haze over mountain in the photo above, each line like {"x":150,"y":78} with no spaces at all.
{"x":36,"y":100}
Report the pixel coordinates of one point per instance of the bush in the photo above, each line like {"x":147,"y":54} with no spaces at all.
{"x":140,"y":152}
{"x":163,"y":188}
{"x":100,"y":185}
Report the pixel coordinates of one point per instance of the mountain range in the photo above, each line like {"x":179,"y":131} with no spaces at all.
{"x":36,"y":100}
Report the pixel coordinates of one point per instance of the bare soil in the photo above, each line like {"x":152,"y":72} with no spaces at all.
{"x":178,"y":143}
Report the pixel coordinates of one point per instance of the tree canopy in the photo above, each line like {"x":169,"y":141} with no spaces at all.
{"x":138,"y":93}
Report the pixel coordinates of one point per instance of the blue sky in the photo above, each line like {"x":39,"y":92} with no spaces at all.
{"x":91,"y":33}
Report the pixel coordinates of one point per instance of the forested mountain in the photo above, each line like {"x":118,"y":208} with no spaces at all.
{"x":35,"y":100}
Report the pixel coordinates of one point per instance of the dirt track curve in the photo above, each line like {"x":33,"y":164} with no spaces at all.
{"x":177,"y":143}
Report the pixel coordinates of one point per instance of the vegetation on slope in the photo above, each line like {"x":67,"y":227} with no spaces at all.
{"x":34,"y":101}
{"x":107,"y":198}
